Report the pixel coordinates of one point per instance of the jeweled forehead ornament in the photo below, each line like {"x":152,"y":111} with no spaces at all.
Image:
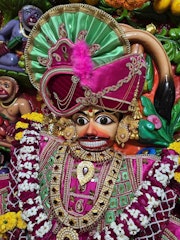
{"x":78,"y":56}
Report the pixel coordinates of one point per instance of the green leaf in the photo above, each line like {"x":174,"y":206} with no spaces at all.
{"x":178,"y":69}
{"x":148,"y":134}
{"x":149,"y":108}
{"x":175,"y":119}
{"x":170,"y":48}
{"x":149,"y":73}
{"x":147,"y":131}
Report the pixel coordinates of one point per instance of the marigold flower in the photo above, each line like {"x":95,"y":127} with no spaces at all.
{"x":177,"y":176}
{"x":34,"y":116}
{"x":20,"y":222}
{"x":175,"y":146}
{"x":127,"y":4}
{"x":18,"y":136}
{"x":21,"y":125}
{"x":7,"y":222}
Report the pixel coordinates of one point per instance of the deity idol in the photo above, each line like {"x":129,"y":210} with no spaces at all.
{"x":12,"y":106}
{"x":13,"y":37}
{"x":68,"y":179}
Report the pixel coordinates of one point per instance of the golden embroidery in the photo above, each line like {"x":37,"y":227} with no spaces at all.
{"x":67,"y":233}
{"x":78,"y":152}
{"x":85,"y":172}
{"x":87,"y":221}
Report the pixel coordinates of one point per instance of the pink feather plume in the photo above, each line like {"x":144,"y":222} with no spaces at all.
{"x":82,"y":63}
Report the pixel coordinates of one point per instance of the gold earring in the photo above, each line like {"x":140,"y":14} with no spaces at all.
{"x":66,"y":129}
{"x":127,"y":129}
{"x":60,"y":127}
{"x":128,"y":126}
{"x":69,"y":133}
{"x":122,"y":134}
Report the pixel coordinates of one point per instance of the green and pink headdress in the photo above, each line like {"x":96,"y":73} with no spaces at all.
{"x":77,"y":55}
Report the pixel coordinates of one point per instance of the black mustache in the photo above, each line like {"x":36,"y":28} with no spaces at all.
{"x":91,"y":137}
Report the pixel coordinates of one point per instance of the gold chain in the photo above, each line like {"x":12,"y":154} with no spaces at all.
{"x":7,"y":106}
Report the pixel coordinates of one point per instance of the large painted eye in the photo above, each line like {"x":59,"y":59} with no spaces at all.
{"x":81,"y":121}
{"x":104,"y":120}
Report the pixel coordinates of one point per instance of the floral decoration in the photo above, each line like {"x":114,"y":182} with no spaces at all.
{"x":132,"y":220}
{"x":176,"y":146}
{"x":10,"y":220}
{"x":127,"y":4}
{"x":155,"y":120}
{"x":34,"y":116}
{"x":137,"y":215}
{"x":27,"y":160}
{"x":150,"y":131}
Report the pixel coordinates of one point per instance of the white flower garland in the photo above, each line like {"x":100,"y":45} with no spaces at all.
{"x":157,"y":179}
{"x":28,"y":161}
{"x":38,"y":225}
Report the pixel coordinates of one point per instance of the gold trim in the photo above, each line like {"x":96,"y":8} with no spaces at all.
{"x":67,"y":233}
{"x":86,"y":222}
{"x":167,"y":233}
{"x":78,"y":152}
{"x":72,"y":8}
{"x":82,"y":176}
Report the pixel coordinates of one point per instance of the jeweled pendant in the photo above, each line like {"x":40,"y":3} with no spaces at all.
{"x":85,"y":172}
{"x":67,"y":233}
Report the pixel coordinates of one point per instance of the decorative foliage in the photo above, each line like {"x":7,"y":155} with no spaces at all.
{"x":161,"y":136}
{"x":170,"y":40}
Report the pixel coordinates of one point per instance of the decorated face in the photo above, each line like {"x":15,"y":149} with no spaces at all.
{"x":29,"y":15}
{"x":7,"y":89}
{"x":96,"y":129}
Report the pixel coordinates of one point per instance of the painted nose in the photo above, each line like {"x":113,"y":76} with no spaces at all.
{"x":91,"y":130}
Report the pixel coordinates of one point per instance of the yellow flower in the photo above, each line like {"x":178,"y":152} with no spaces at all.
{"x":18,"y":136}
{"x":22,"y":125}
{"x":20,"y":222}
{"x":177,"y":176}
{"x":7,"y":222}
{"x":175,"y":146}
{"x":34,"y":116}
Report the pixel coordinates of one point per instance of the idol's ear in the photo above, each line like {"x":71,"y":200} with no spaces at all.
{"x":165,"y":93}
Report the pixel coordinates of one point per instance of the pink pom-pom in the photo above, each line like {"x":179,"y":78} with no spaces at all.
{"x":82,"y":63}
